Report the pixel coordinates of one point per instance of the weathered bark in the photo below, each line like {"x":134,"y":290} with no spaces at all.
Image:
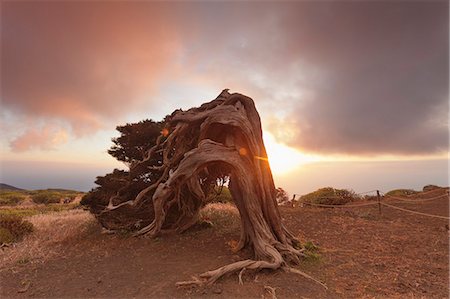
{"x":222,"y":137}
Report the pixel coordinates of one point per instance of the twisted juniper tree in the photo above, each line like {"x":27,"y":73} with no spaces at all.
{"x":169,"y":181}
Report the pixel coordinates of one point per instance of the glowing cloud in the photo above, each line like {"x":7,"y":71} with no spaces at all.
{"x":46,"y":138}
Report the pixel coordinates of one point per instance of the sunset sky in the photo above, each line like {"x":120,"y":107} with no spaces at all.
{"x":351,"y":94}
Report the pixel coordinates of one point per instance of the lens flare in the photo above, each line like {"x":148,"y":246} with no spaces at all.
{"x":283,"y":159}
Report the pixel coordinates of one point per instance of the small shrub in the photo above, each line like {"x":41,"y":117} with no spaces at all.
{"x":46,"y":197}
{"x":220,"y":195}
{"x":401,"y":192}
{"x":311,"y":252}
{"x":430,"y":188}
{"x":330,"y":196}
{"x":310,"y":246}
{"x":16,"y":226}
{"x":281,"y":196}
{"x":11,"y":198}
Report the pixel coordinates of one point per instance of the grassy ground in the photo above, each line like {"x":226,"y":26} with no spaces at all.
{"x":357,"y":253}
{"x":47,"y":196}
{"x":52,"y":233}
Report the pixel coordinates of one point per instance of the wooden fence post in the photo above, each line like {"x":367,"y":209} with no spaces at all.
{"x":379,"y":201}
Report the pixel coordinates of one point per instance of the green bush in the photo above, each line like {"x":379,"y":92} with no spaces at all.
{"x":427,"y":188}
{"x":221,"y":194}
{"x":401,"y":192}
{"x":11,"y":198}
{"x":46,"y":197}
{"x":35,"y":210}
{"x":329,"y":196}
{"x":16,"y":226}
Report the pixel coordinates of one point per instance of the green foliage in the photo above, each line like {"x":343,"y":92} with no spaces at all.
{"x":401,"y":192}
{"x":11,"y":197}
{"x":430,"y":187}
{"x":135,"y":140}
{"x":330,"y":196}
{"x":46,"y":197}
{"x":281,"y":196}
{"x":310,"y":246}
{"x":220,"y":194}
{"x":311,"y":252}
{"x":130,"y":147}
{"x":16,"y":226}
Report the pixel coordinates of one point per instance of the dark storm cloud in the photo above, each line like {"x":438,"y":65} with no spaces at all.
{"x":346,"y":77}
{"x":384,"y":85}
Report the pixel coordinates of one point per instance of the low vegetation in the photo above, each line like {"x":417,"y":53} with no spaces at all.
{"x":52,"y":234}
{"x":401,"y":192}
{"x":330,"y":196}
{"x":17,"y":206}
{"x":13,"y":228}
{"x":27,"y":211}
{"x":220,"y":194}
{"x":222,"y":216}
{"x":11,"y":198}
{"x":311,"y":252}
{"x":49,"y":196}
{"x":281,"y":196}
{"x":431,"y":187}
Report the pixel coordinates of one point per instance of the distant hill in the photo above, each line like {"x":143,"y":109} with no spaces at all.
{"x":8,"y":187}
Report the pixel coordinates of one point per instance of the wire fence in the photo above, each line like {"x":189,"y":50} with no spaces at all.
{"x":381,"y":198}
{"x":415,"y":200}
{"x":414,"y":212}
{"x":340,"y":206}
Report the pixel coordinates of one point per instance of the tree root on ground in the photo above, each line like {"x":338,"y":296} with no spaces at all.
{"x":210,"y":277}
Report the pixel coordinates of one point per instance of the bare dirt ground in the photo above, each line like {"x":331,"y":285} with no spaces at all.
{"x":362,"y":254}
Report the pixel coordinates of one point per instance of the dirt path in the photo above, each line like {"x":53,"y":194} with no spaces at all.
{"x":362,"y":254}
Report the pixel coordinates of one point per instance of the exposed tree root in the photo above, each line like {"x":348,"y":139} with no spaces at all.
{"x":240,"y":276}
{"x":210,"y":277}
{"x":296,"y":271}
{"x":271,"y":291}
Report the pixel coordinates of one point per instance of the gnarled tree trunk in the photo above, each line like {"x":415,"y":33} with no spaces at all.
{"x":222,"y":137}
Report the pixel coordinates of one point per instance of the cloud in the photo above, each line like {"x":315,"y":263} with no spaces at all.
{"x":84,"y":63}
{"x":339,"y":78}
{"x":46,"y":138}
{"x":384,"y":80}
{"x":329,"y":77}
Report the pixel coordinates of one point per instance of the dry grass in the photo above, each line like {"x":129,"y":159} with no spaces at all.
{"x":220,"y":208}
{"x":223,"y":216}
{"x":56,"y":231}
{"x":52,"y":232}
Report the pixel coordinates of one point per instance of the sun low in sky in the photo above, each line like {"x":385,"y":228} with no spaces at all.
{"x":284,"y":159}
{"x":351,"y":94}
